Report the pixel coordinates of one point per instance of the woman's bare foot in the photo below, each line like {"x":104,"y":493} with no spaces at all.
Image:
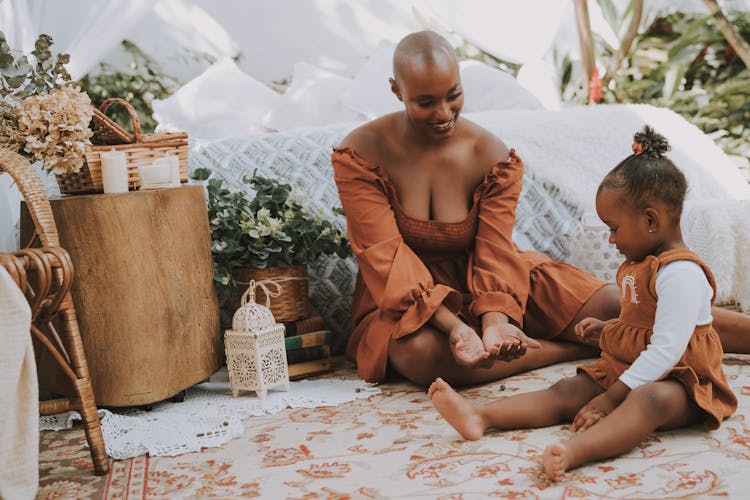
{"x":556,"y":460}
{"x":458,"y":412}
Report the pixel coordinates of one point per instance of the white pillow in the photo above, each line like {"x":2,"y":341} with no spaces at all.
{"x":487,"y":88}
{"x":313,"y":99}
{"x":370,"y":93}
{"x":540,"y":79}
{"x":221,"y":102}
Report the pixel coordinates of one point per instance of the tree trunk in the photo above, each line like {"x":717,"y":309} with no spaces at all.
{"x":740,"y":46}
{"x":626,"y":42}
{"x":585,"y":38}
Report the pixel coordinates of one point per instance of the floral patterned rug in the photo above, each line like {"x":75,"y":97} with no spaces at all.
{"x":394,"y":445}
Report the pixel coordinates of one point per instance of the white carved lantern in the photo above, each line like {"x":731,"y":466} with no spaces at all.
{"x":255,"y":349}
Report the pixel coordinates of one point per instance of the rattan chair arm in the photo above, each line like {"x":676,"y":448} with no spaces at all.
{"x":30,"y":185}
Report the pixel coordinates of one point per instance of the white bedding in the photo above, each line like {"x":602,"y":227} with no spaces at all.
{"x":566,"y":154}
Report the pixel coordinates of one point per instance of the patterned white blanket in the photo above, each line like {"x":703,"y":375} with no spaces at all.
{"x":395,"y":445}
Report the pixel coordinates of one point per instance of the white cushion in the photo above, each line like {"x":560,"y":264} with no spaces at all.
{"x":540,"y":79}
{"x":370,"y":93}
{"x":487,"y":88}
{"x":313,"y":99}
{"x":221,"y":102}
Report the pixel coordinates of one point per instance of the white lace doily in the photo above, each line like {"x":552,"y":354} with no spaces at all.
{"x":208,"y":417}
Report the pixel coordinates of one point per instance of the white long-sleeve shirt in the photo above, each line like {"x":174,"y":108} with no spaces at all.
{"x":683,"y":302}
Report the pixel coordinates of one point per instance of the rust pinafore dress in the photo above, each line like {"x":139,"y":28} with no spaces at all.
{"x":699,"y":370}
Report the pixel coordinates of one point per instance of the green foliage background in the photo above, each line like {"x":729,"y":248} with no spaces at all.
{"x":143,"y":82}
{"x":682,"y":62}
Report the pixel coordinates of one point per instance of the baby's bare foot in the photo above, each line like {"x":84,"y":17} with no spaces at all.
{"x":458,"y":412}
{"x":556,"y":459}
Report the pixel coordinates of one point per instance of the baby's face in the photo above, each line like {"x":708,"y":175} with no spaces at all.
{"x":628,"y":227}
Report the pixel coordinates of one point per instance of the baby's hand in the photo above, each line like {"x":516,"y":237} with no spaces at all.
{"x":594,"y":411}
{"x":588,"y":331}
{"x":506,"y":341}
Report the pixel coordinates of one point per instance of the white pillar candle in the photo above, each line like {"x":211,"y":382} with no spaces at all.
{"x":156,"y":175}
{"x":174,"y":166}
{"x":114,"y":171}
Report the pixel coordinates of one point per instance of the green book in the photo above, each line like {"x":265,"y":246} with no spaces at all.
{"x":321,"y":337}
{"x":307,"y":354}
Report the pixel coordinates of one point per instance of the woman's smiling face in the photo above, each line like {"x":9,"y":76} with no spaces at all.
{"x":432,"y":95}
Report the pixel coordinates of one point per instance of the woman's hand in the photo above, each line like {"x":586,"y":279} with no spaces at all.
{"x":467,"y":347}
{"x":588,"y":331}
{"x":505,"y":341}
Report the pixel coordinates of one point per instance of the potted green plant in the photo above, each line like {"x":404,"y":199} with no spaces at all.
{"x":267,"y":235}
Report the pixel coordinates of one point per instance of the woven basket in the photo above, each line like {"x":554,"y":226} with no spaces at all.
{"x":139,"y":149}
{"x":291,"y":304}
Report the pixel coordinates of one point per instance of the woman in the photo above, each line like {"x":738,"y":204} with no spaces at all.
{"x":430,"y":202}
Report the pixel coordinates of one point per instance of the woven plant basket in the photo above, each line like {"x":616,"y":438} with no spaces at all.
{"x":139,"y":149}
{"x":289,"y":305}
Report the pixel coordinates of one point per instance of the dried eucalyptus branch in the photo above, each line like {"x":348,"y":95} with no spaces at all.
{"x":20,"y":79}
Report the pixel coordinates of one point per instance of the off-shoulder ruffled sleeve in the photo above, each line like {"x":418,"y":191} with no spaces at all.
{"x":402,"y":287}
{"x":498,"y":277}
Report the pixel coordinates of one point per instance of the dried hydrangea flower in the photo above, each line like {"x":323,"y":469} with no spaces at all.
{"x":56,"y":126}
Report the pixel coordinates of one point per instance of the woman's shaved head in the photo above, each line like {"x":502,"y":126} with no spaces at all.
{"x":420,"y":49}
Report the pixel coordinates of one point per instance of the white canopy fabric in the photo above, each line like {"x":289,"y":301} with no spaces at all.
{"x":271,"y":36}
{"x":83,"y":28}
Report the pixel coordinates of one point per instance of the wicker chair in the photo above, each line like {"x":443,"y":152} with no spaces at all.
{"x":46,"y":275}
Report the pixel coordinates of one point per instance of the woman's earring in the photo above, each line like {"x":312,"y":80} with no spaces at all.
{"x":651,"y":230}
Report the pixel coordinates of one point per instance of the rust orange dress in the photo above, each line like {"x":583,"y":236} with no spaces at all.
{"x":409,"y":267}
{"x":699,"y":369}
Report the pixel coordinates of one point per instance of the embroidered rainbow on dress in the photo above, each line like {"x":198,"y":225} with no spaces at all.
{"x":629,"y":282}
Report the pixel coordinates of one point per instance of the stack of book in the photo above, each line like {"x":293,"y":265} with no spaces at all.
{"x":308,"y":347}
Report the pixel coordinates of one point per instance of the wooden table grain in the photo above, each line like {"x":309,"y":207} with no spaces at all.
{"x":143,"y":291}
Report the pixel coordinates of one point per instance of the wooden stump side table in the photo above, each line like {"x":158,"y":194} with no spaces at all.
{"x":143,"y":291}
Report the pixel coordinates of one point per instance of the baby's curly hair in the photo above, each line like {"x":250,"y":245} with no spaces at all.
{"x":649,"y":174}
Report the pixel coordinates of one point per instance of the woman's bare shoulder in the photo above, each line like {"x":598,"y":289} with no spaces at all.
{"x":488,"y":148}
{"x":367,"y":140}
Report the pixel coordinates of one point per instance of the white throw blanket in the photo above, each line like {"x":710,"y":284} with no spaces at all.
{"x":19,"y":396}
{"x":572,"y":150}
{"x":566,"y":154}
